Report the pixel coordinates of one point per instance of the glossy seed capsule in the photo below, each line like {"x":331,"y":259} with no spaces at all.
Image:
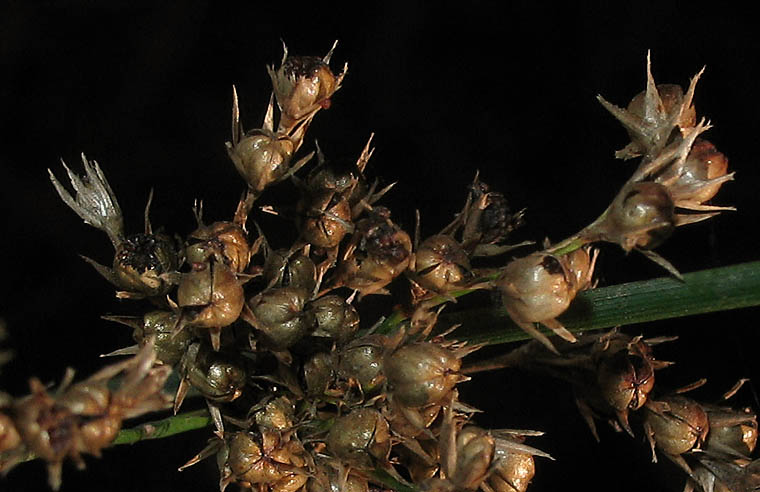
{"x":420,"y":374}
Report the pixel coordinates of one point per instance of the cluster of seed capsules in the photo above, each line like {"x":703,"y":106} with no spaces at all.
{"x":613,"y":378}
{"x":302,"y":395}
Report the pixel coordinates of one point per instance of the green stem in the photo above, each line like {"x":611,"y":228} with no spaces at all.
{"x":158,"y":429}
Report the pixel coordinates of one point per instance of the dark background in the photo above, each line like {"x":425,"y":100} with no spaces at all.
{"x":448,"y":89}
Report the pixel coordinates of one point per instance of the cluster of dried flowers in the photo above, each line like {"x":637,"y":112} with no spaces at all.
{"x":613,"y":378}
{"x":302,"y":394}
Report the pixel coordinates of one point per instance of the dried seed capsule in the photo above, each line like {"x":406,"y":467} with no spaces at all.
{"x":652,"y":116}
{"x":218,"y":376}
{"x":325,"y":219}
{"x":732,"y":432}
{"x":277,"y":415}
{"x":335,"y":318}
{"x":141,"y":262}
{"x":282,"y":270}
{"x":512,"y":473}
{"x":625,"y":379}
{"x":675,"y":425}
{"x":224,"y":242}
{"x":214,"y":290}
{"x":318,"y":373}
{"x":486,"y":221}
{"x":262,"y":157}
{"x":474,"y":456}
{"x":379,"y":252}
{"x":303,"y":85}
{"x":279,"y":315}
{"x":359,"y":437}
{"x":642,"y":216}
{"x":420,"y":374}
{"x":541,"y":286}
{"x":699,"y":177}
{"x":158,"y":325}
{"x":362,"y":360}
{"x":441,"y":264}
{"x":266,"y":460}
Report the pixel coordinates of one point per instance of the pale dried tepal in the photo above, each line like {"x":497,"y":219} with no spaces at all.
{"x":304,"y":394}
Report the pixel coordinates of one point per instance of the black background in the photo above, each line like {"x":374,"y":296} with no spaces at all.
{"x":448,"y":89}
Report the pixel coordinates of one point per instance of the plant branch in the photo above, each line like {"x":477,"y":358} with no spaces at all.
{"x":706,"y":291}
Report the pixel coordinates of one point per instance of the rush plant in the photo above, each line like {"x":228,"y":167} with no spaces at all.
{"x":304,"y":390}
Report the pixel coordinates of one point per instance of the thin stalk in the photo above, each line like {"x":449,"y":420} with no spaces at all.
{"x":158,"y":429}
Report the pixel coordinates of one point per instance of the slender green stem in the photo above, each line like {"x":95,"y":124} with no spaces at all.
{"x":158,"y":429}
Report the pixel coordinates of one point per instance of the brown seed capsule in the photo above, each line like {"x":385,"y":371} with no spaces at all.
{"x":335,"y":318}
{"x":362,"y":360}
{"x":486,"y":221}
{"x":642,"y":216}
{"x":420,"y":374}
{"x":512,"y":473}
{"x":699,"y":177}
{"x":214,"y":290}
{"x":732,"y":432}
{"x":379,"y":252}
{"x":224,"y":242}
{"x":279,"y":315}
{"x":141,"y":262}
{"x":262,"y":157}
{"x":318,"y":373}
{"x":325,"y":219}
{"x":360,"y":437}
{"x":218,"y":376}
{"x":159,"y":325}
{"x":676,"y":425}
{"x":652,"y":116}
{"x":298,"y":271}
{"x":302,"y":86}
{"x":541,"y":286}
{"x":625,"y":378}
{"x":277,"y":415}
{"x":474,"y":456}
{"x":441,"y":264}
{"x":267,"y":460}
